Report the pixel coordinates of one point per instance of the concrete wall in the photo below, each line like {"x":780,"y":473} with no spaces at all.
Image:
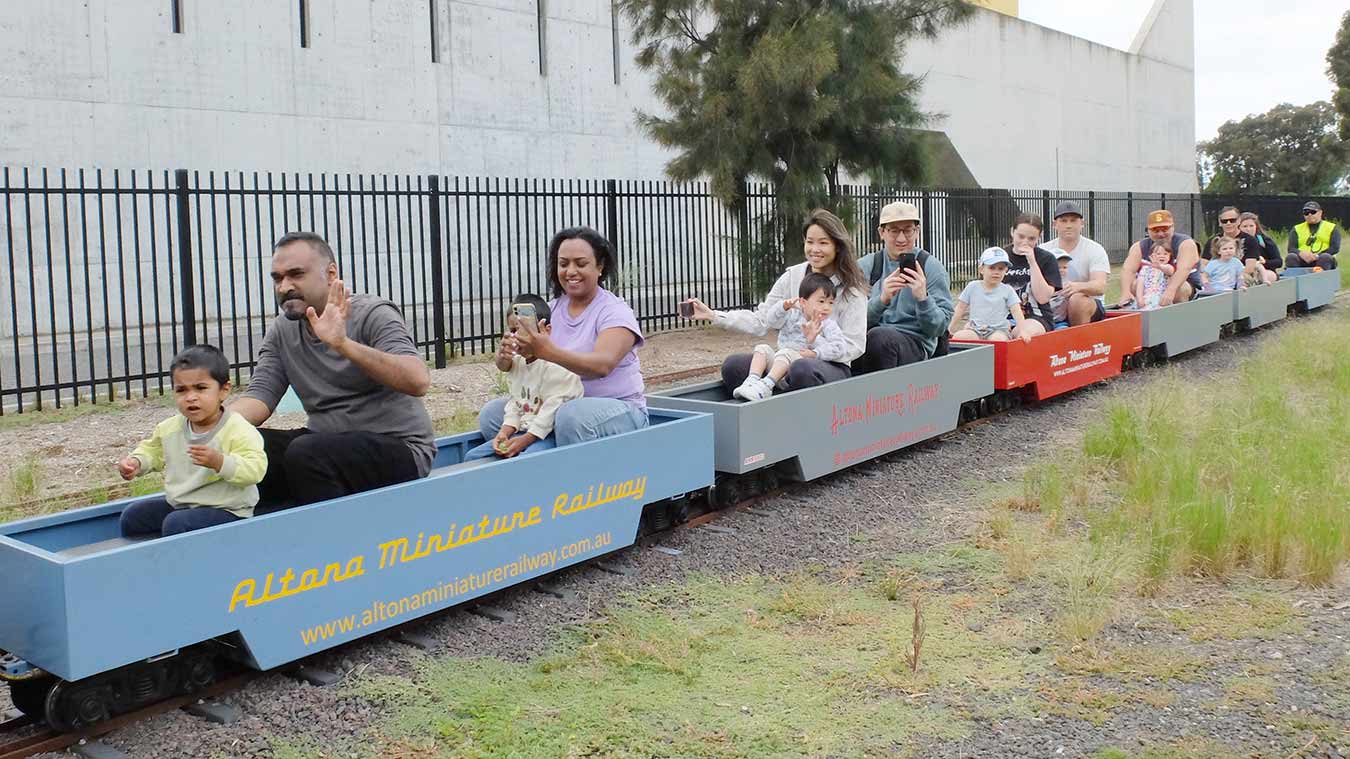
{"x":106,"y":83}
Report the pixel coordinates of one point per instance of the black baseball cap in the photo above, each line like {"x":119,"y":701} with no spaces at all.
{"x":1312,"y":205}
{"x":1067,"y":207}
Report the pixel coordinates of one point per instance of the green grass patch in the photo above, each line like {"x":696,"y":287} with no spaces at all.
{"x":1245,"y":471}
{"x":748,"y":667}
{"x":462,"y":420}
{"x":23,"y":481}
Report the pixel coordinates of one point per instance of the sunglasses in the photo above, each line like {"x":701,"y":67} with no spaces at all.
{"x":1227,"y":221}
{"x":1310,"y":213}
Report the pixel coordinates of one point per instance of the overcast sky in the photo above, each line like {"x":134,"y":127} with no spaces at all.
{"x":1250,"y":55}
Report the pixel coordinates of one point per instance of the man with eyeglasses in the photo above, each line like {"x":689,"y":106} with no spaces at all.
{"x":1315,"y":242}
{"x":911,"y":306}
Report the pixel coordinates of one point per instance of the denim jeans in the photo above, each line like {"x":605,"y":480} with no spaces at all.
{"x":157,"y":516}
{"x":576,"y":421}
{"x":486,"y":451}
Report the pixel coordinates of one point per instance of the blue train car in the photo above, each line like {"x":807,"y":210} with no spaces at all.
{"x":824,"y":429}
{"x":79,"y":601}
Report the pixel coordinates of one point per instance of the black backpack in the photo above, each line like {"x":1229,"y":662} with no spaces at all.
{"x":878,"y":262}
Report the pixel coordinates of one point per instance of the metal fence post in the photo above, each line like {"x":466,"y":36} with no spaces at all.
{"x":187,"y":300}
{"x":437,"y":269}
{"x":1129,"y":216}
{"x":1045,"y":206}
{"x":926,"y":214}
{"x":1092,"y":213}
{"x":612,"y":212}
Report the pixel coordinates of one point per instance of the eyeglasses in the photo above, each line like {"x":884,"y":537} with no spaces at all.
{"x":1310,"y":212}
{"x":1227,"y":221}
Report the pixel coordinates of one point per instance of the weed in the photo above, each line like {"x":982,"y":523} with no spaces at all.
{"x":917,"y":634}
{"x":148,"y":484}
{"x":1251,"y":614}
{"x":24,"y":480}
{"x":1089,"y":579}
{"x":501,"y":385}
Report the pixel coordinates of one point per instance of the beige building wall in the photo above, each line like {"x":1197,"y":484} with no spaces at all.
{"x":1006,"y":7}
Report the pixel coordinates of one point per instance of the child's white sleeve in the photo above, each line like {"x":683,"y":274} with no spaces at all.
{"x":559,"y":387}
{"x":512,"y":413}
{"x":768,"y":315}
{"x":151,"y":452}
{"x":831,"y":345}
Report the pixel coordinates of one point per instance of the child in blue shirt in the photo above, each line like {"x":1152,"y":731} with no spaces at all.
{"x":990,"y":304}
{"x":1225,"y":272}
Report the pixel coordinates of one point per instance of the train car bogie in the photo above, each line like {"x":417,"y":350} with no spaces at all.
{"x":96,"y":610}
{"x":819,"y":430}
{"x":1182,"y":327}
{"x":1263,"y":304}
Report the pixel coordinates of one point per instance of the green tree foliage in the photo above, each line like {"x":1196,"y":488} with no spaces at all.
{"x":1287,"y":150}
{"x":793,"y":92}
{"x":1338,"y":68}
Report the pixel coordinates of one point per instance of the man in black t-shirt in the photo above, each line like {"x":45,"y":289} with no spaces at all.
{"x":1035,"y":284}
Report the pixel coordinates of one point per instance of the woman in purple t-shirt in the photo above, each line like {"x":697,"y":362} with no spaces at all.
{"x":595,"y":335}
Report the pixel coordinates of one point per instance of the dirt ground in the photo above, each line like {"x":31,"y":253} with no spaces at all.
{"x":62,"y":454}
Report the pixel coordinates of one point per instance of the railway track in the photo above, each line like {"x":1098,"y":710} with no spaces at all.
{"x":24,"y":736}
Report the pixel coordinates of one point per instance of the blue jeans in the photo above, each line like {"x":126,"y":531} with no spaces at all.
{"x":576,"y":421}
{"x":157,"y":516}
{"x":486,"y":451}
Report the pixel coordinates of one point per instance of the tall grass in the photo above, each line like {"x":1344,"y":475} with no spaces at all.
{"x":1246,"y":470}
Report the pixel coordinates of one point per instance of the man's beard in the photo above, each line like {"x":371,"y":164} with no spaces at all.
{"x":292,"y":314}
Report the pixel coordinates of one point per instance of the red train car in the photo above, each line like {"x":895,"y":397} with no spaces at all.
{"x":1067,"y":359}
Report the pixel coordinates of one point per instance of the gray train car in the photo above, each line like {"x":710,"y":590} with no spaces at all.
{"x":1181,"y":327}
{"x":824,"y":429}
{"x":1315,"y":288}
{"x":1259,"y":306}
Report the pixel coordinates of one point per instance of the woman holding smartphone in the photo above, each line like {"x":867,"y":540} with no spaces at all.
{"x":594,"y":334}
{"x":829,"y":251}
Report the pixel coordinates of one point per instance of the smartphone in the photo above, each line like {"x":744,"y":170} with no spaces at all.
{"x":687,"y":310}
{"x":525,"y":316}
{"x":909,"y":261}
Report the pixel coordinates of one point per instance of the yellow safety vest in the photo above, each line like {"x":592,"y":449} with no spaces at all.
{"x":1319,"y":243}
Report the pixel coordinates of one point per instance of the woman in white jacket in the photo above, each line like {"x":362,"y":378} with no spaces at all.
{"x":829,"y":251}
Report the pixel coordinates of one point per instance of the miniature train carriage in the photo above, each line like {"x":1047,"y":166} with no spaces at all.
{"x":1066,"y":359}
{"x":824,"y":429}
{"x":97,"y":625}
{"x":1315,"y":288}
{"x":1182,"y":327}
{"x":1263,"y":304}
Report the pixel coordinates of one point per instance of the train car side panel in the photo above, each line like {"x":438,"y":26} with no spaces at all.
{"x":1182,"y":327}
{"x":828,"y":428}
{"x":299,"y":581}
{"x":1067,"y":359}
{"x":1315,"y":288}
{"x":33,"y":616}
{"x":1264,"y":304}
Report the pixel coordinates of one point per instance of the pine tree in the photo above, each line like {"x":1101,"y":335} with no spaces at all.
{"x":1338,"y":68}
{"x":792,"y":92}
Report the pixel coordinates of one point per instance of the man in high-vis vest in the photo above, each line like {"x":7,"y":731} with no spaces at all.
{"x":1315,"y":242}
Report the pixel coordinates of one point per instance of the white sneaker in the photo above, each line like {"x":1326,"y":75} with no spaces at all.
{"x":746,"y":389}
{"x":758,"y":391}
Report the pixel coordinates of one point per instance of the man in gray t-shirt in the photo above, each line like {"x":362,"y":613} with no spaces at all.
{"x":358,"y":374}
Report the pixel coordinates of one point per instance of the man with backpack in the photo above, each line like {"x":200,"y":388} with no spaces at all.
{"x":911,"y":303}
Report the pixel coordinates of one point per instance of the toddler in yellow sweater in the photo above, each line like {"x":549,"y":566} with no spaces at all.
{"x":213,"y":459}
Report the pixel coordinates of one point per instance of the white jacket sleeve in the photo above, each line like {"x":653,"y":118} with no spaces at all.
{"x":851,"y":315}
{"x":769,"y":315}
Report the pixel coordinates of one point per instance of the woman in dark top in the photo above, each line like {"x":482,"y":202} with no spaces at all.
{"x":1271,"y":257}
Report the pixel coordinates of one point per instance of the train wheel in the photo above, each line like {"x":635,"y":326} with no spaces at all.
{"x":30,"y":696}
{"x":199,"y":672}
{"x":73,"y":706}
{"x":726,"y":493}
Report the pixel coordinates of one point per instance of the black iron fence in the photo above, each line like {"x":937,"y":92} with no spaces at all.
{"x":108,"y":273}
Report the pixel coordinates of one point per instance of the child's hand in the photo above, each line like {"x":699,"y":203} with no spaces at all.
{"x":811,"y":329}
{"x":791,"y":303}
{"x":203,"y":455}
{"x":516,"y":445}
{"x":503,"y":439}
{"x":1026,"y":337}
{"x":129,"y":467}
